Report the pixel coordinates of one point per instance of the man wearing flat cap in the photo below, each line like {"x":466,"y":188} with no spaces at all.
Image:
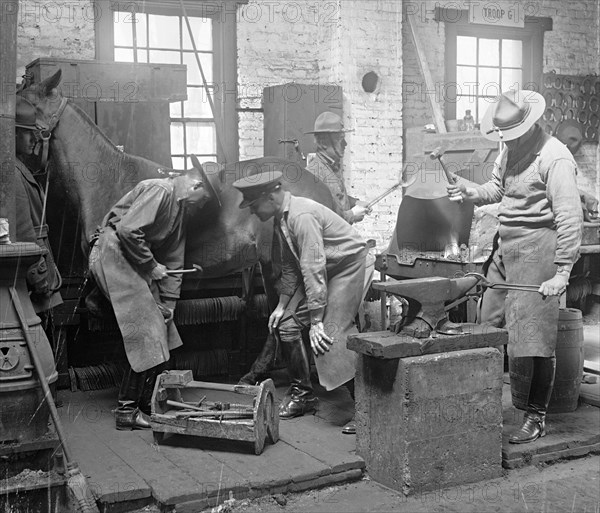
{"x":327,"y":165}
{"x":141,"y":240}
{"x":323,"y":261}
{"x":534,"y":179}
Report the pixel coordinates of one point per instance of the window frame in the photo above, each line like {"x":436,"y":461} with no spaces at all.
{"x":224,"y":17}
{"x":532,"y":35}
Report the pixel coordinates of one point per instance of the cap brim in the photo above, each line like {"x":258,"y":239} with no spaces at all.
{"x":536,"y":111}
{"x":246,"y":203}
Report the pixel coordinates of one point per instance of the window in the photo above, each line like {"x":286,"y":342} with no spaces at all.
{"x":157,"y":32}
{"x":482,"y":61}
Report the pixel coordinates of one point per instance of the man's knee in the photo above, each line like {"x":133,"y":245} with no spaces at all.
{"x":290,"y":330}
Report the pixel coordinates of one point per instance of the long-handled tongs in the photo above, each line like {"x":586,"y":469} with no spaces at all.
{"x":503,"y":286}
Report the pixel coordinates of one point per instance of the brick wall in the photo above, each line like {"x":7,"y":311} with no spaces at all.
{"x":332,"y":42}
{"x":61,"y":29}
{"x":571,"y":47}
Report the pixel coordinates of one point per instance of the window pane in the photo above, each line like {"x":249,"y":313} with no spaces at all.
{"x":512,"y":53}
{"x":178,"y":162}
{"x":483,"y":106}
{"x":177,"y":138}
{"x":463,"y":104}
{"x":202,"y":30}
{"x":489,"y":52}
{"x":123,"y":30}
{"x":489,"y":81}
{"x":466,"y":78}
{"x":200,"y":138}
{"x":123,"y":55}
{"x":157,"y":57}
{"x":197,"y":105}
{"x":142,"y":55}
{"x":466,"y":50}
{"x":164,"y":31}
{"x":175,"y":109}
{"x":193,"y":73}
{"x":141,"y":30}
{"x":512,"y":79}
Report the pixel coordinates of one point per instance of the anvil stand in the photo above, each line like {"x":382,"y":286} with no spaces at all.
{"x":429,"y":399}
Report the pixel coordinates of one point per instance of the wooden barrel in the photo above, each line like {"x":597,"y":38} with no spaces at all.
{"x":569,"y":367}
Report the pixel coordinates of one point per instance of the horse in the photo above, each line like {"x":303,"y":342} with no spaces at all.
{"x":89,"y":174}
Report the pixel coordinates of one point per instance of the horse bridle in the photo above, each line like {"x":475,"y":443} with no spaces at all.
{"x":45,"y":131}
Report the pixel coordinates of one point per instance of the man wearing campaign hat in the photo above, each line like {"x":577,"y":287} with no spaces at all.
{"x":534,"y":179}
{"x":42,"y":277}
{"x":141,"y":240}
{"x":327,"y":165}
{"x":323,"y":261}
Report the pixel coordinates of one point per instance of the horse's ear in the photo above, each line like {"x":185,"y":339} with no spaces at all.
{"x":46,"y":86}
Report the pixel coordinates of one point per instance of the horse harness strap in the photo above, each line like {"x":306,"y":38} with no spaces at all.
{"x":46,"y":132}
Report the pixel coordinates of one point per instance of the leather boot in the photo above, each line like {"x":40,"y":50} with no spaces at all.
{"x":128,"y":415}
{"x":542,"y":382}
{"x":300,"y":398}
{"x":350,"y":427}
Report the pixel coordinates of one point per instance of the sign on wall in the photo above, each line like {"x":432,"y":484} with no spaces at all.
{"x":502,"y":14}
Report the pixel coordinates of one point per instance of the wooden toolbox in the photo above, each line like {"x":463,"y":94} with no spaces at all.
{"x":233,"y":412}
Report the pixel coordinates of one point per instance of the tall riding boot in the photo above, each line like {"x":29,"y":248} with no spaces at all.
{"x":300,"y":398}
{"x":542,"y":382}
{"x":350,"y":427}
{"x":128,"y":415}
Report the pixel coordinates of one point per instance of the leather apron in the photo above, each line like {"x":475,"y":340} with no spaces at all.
{"x":345,"y":286}
{"x":532,"y":322}
{"x":133,"y":296}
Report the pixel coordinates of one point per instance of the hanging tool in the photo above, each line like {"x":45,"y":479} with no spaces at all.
{"x":296,"y":144}
{"x":401,"y":183}
{"x":76,"y":484}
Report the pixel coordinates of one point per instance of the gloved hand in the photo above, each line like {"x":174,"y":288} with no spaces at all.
{"x":37,"y":278}
{"x":158,"y":273}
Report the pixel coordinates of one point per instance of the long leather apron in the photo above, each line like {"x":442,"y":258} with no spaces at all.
{"x":345,"y":286}
{"x":532,"y":322}
{"x":133,"y":297}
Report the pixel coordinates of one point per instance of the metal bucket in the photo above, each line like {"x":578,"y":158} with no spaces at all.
{"x":569,"y":367}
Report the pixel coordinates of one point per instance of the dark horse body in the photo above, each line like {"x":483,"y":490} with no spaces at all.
{"x":91,"y":174}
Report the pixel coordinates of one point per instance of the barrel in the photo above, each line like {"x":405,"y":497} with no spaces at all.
{"x":569,"y":367}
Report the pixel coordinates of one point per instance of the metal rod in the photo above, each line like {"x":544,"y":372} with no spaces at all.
{"x":205,"y":84}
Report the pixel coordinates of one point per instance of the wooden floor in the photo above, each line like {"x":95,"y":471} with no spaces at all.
{"x":127,"y":470}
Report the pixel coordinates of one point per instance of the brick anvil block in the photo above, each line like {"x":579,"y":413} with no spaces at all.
{"x":431,"y":421}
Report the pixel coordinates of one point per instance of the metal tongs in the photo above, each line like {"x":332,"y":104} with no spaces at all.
{"x":194,"y":269}
{"x":503,"y":286}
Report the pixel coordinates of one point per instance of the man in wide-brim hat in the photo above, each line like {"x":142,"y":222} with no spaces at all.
{"x":327,"y":165}
{"x":534,"y":179}
{"x":143,"y":238}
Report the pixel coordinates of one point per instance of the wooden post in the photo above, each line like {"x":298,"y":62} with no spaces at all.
{"x":438,"y":118}
{"x":8,"y":64}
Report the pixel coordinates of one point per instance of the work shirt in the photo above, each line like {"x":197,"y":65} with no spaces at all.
{"x":318,"y":240}
{"x":331,"y":173}
{"x":551,"y":198}
{"x":149,"y":222}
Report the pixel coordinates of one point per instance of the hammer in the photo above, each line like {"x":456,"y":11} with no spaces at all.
{"x":437,"y":154}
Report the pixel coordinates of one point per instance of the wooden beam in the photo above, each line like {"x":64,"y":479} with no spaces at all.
{"x":438,"y":118}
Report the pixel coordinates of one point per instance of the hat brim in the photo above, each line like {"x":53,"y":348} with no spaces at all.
{"x":330,"y":131}
{"x":537,"y":105}
{"x":247,"y":202}
{"x":206,"y":180}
